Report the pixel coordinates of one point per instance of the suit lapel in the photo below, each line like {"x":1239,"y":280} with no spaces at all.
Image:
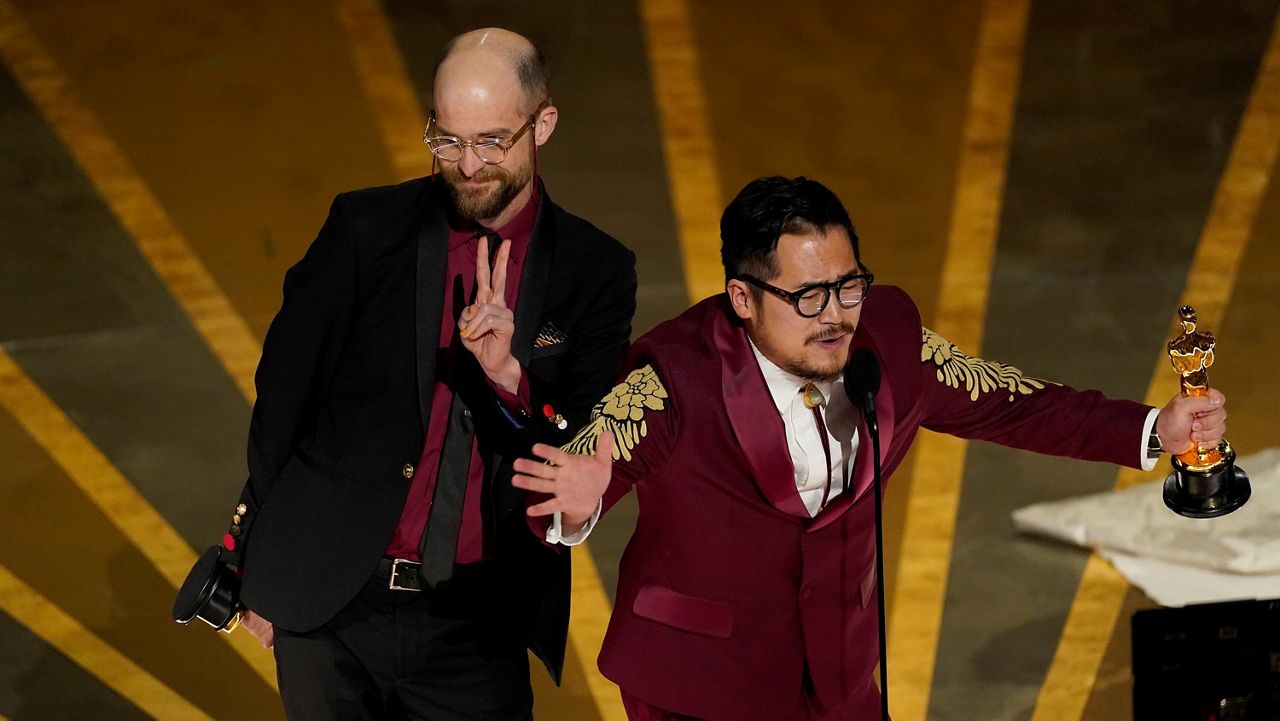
{"x":534,"y":281}
{"x":754,"y":418}
{"x":432,"y":266}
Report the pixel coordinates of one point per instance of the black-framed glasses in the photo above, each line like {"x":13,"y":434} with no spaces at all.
{"x":491,"y":149}
{"x":811,"y":300}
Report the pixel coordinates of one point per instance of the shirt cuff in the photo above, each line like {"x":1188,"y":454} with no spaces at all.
{"x":516,"y":405}
{"x":554,"y":534}
{"x":1148,"y":462}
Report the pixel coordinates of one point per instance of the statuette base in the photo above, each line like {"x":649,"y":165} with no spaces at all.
{"x":1207,"y":492}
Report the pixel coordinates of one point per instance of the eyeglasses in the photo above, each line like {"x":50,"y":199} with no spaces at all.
{"x":811,"y":300}
{"x":491,"y":149}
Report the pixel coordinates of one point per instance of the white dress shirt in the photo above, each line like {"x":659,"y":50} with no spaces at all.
{"x":803,"y":440}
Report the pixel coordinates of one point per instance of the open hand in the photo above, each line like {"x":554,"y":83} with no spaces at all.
{"x":486,"y":326}
{"x":1188,"y":421}
{"x":574,"y":482}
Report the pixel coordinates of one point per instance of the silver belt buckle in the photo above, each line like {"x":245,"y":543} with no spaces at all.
{"x":395,"y":573}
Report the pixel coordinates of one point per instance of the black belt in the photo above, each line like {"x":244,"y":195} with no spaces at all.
{"x":401,"y":574}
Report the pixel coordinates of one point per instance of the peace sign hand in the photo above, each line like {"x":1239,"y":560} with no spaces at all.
{"x":487,"y":324}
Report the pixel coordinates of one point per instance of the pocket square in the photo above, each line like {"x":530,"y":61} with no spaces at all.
{"x":549,"y":336}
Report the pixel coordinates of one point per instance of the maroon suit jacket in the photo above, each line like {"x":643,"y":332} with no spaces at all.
{"x":728,"y":592}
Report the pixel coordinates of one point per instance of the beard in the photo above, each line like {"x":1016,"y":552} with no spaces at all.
{"x":476,"y":204}
{"x":818,"y":373}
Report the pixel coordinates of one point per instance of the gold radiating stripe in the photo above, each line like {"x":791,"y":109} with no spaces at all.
{"x":108,"y":489}
{"x":1210,"y":282}
{"x":91,"y":653}
{"x":381,"y":69}
{"x":93,"y":473}
{"x":177,"y":265}
{"x":929,"y":527}
{"x":586,"y":634}
{"x":686,"y":142}
{"x":129,"y":199}
{"x":386,"y":83}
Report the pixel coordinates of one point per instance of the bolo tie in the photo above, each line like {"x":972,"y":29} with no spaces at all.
{"x":814,"y":400}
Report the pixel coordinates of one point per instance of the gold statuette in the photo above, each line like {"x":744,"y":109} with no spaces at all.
{"x":1205,"y":482}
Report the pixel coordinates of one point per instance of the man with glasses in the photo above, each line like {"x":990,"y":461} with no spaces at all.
{"x":433,"y":330}
{"x":747,"y":592}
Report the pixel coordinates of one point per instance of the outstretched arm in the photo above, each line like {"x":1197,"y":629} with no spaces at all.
{"x":975,"y":398}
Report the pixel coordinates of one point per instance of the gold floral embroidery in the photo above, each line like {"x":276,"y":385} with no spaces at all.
{"x":622,"y":413}
{"x":978,"y":376}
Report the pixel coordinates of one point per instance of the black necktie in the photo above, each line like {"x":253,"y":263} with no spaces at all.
{"x":494,"y":240}
{"x":439,"y":545}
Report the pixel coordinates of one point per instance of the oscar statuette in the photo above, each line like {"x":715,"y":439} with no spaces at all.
{"x":1205,"y":482}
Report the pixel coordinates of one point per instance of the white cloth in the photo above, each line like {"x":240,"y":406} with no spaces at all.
{"x":803,"y":439}
{"x":1177,"y":584}
{"x":1177,"y":560}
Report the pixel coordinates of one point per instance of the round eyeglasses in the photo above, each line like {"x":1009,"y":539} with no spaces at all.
{"x":811,"y":300}
{"x":490,"y":149}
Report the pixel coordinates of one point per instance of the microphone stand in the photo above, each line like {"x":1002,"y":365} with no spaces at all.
{"x":873,"y":429}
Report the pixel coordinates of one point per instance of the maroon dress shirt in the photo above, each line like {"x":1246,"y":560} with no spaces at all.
{"x":474,"y":534}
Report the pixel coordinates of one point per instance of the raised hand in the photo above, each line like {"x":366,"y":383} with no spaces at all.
{"x":1188,"y":421}
{"x":487,"y":324}
{"x":575,"y":483}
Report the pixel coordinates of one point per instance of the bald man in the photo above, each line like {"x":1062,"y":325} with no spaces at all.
{"x":433,"y":331}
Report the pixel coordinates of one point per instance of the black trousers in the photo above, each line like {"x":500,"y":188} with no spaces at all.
{"x":449,"y":654}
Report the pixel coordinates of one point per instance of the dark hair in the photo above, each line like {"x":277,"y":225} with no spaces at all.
{"x":534,"y":75}
{"x":532,"y":71}
{"x":768,"y":208}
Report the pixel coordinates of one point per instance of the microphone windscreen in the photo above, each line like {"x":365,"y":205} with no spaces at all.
{"x":861,"y":375}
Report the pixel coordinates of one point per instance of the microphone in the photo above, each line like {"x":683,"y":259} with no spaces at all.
{"x":861,"y":383}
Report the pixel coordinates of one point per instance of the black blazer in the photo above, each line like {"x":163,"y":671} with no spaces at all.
{"x":344,"y":394}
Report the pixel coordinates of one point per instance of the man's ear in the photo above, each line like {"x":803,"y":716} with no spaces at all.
{"x":740,"y":298}
{"x":545,"y":124}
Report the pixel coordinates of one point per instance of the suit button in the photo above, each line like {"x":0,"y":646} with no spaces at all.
{"x":466,"y":412}
{"x":407,"y":470}
{"x":806,"y":592}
